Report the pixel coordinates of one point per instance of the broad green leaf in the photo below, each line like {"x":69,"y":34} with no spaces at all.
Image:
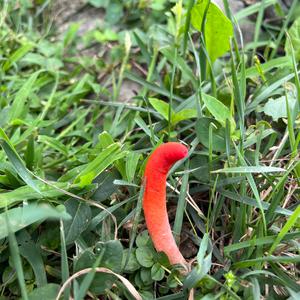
{"x":250,"y":169}
{"x":109,"y":254}
{"x":144,"y":256}
{"x":294,"y":295}
{"x":99,"y":3}
{"x":132,"y":263}
{"x":106,"y":35}
{"x":220,"y":111}
{"x":218,"y":137}
{"x":106,"y":186}
{"x":87,"y":259}
{"x":114,"y":12}
{"x":157,"y":272}
{"x":200,"y":167}
{"x":161,"y":107}
{"x":112,"y":255}
{"x":48,"y":292}
{"x":105,"y":139}
{"x":294,"y":33}
{"x":22,"y":217}
{"x":276,"y":108}
{"x":158,"y":4}
{"x":81,"y":217}
{"x":32,"y":253}
{"x":99,"y":164}
{"x":218,"y":28}
{"x":145,"y":274}
{"x":143,"y":239}
{"x":184,"y":114}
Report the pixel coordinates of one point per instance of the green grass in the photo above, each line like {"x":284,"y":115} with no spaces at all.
{"x":73,"y":152}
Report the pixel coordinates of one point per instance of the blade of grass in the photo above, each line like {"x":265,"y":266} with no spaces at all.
{"x":171,"y":92}
{"x":18,"y":104}
{"x":150,"y":86}
{"x":88,"y":278}
{"x":238,"y":93}
{"x":265,"y":92}
{"x":141,"y":123}
{"x":253,"y":202}
{"x":198,"y":94}
{"x":16,"y":259}
{"x":187,"y":26}
{"x":180,"y":63}
{"x":258,"y":26}
{"x":64,"y":260}
{"x":51,"y":97}
{"x":260,"y":242}
{"x":16,"y":161}
{"x":280,"y":259}
{"x":181,"y":203}
{"x":278,"y":62}
{"x":32,"y":253}
{"x":284,"y":27}
{"x":17,"y":55}
{"x":124,"y":105}
{"x":22,"y":217}
{"x":136,"y":220}
{"x":250,"y":169}
{"x":288,"y":225}
{"x":297,"y":107}
{"x":252,"y":9}
{"x":254,"y":189}
{"x":116,"y":91}
{"x":276,"y":197}
{"x":284,"y":277}
{"x":24,"y":193}
{"x":290,"y":125}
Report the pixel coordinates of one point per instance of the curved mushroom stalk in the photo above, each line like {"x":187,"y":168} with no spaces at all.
{"x":154,"y":200}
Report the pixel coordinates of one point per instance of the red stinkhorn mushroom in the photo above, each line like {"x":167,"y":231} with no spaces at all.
{"x":154,"y":202}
